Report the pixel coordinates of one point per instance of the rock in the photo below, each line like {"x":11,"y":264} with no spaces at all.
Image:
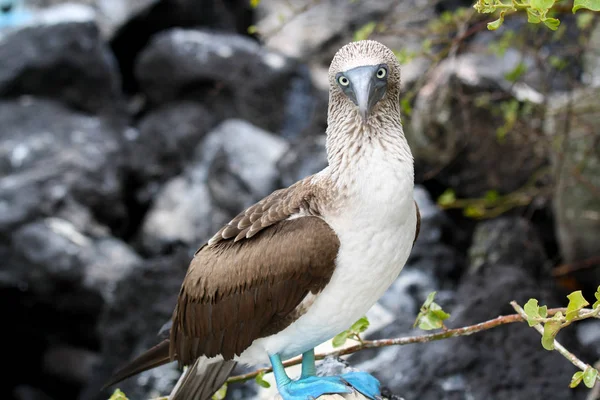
{"x":231,"y":74}
{"x":144,"y":300}
{"x":234,"y":167}
{"x":70,"y":363}
{"x":570,"y":121}
{"x":51,"y":157}
{"x":304,"y":157}
{"x":462,"y":137}
{"x":164,"y":142}
{"x":64,"y":60}
{"x":507,"y":362}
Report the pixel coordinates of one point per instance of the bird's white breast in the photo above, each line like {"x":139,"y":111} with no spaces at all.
{"x":376,"y":227}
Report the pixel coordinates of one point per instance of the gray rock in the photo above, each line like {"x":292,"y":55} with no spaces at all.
{"x":304,"y":157}
{"x":64,"y":60}
{"x":56,"y":253}
{"x":50,"y":156}
{"x":164,"y":142}
{"x":506,"y":362}
{"x":231,"y":74}
{"x":457,"y":136}
{"x":144,"y":300}
{"x":234,"y":166}
{"x":571,"y":122}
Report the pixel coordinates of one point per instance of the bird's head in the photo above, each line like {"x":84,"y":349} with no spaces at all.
{"x":364,"y":74}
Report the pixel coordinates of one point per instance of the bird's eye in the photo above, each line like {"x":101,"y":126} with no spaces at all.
{"x":343,"y":81}
{"x":381,"y":73}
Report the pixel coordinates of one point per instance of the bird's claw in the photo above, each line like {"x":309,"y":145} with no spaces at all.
{"x":364,"y":383}
{"x":313,"y":387}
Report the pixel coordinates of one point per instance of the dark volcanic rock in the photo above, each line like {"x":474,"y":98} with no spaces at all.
{"x":305,"y":156}
{"x":55,"y":281}
{"x":234,"y":166}
{"x":144,"y":301}
{"x":164,"y":141}
{"x":507,"y":362}
{"x":67,"y":61}
{"x":232,"y":75}
{"x":50,"y":156}
{"x":456,"y":128}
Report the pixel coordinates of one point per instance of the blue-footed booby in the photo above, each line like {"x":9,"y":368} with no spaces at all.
{"x":307,"y":261}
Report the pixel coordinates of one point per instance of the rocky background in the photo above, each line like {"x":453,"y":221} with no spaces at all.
{"x":131,"y":130}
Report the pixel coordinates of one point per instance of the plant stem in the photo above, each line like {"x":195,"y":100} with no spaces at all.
{"x":557,"y":346}
{"x":370,"y":344}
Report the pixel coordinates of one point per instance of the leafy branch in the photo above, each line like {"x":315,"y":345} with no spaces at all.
{"x":430,"y":312}
{"x":537,"y":10}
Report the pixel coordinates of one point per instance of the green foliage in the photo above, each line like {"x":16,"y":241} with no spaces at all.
{"x":576,"y":303}
{"x":352,"y":333}
{"x":597,"y":296}
{"x":254,"y":3}
{"x":221,"y":393}
{"x":261,"y":381}
{"x":431,"y":315}
{"x":516,"y":73}
{"x":551,"y":329}
{"x":365,"y":31}
{"x":538,"y":11}
{"x":118,"y":395}
{"x":447,"y":198}
{"x":593,"y":5}
{"x":588,"y":377}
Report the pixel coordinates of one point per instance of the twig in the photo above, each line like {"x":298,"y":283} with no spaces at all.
{"x":371,"y":344}
{"x":557,"y":346}
{"x":566,"y":269}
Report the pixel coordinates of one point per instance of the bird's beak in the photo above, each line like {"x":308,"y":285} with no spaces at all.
{"x":367,"y":90}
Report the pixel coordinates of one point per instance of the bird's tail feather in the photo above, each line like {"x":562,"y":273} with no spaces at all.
{"x":154,"y":357}
{"x":202,"y":379}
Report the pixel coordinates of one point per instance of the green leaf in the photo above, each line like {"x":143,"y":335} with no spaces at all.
{"x":593,"y":5}
{"x":222,"y":392}
{"x":551,"y":328}
{"x":516,"y":73}
{"x":260,"y":380}
{"x":340,"y":339}
{"x":447,"y":198}
{"x":254,"y":3}
{"x":474,"y":211}
{"x":491,"y":196}
{"x":532,"y":310}
{"x":584,"y":20}
{"x":431,"y":315}
{"x":492,"y":26}
{"x":576,"y":379}
{"x":360,"y":326}
{"x":551,"y":23}
{"x":576,"y":303}
{"x":365,"y":31}
{"x":118,"y":395}
{"x":542,"y":4}
{"x":533,"y":17}
{"x":252,"y":29}
{"x":597,"y":296}
{"x":589,"y":377}
{"x":543,"y":310}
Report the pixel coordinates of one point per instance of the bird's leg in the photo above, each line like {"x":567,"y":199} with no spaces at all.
{"x":305,"y":388}
{"x":364,"y":383}
{"x":308,"y":364}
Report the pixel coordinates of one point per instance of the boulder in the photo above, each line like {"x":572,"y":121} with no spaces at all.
{"x":571,"y":123}
{"x":230,"y":74}
{"x":455,"y":128}
{"x":63,"y":58}
{"x":51,"y":157}
{"x":233,"y":167}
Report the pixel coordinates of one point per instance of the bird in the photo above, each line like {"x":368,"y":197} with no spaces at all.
{"x":301,"y":265}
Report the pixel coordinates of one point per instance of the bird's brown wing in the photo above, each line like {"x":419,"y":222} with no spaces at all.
{"x":252,"y":277}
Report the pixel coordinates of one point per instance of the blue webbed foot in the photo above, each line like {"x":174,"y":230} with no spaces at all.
{"x":313,"y":387}
{"x":364,"y":383}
